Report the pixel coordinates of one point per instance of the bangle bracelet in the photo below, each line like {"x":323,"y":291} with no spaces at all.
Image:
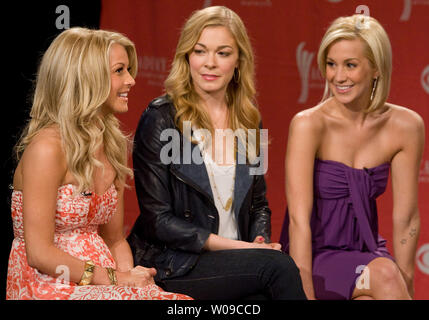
{"x":88,"y":273}
{"x":112,"y":276}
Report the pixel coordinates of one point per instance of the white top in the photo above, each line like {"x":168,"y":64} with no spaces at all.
{"x":224,"y":180}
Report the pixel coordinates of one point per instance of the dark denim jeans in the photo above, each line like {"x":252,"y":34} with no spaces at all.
{"x":240,"y":274}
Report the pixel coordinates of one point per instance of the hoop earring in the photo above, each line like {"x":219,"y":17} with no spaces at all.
{"x":237,"y":75}
{"x":374,"y":86}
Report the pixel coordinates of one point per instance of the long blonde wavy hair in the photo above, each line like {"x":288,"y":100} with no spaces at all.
{"x":73,"y":82}
{"x":240,"y":95}
{"x":377,"y":50}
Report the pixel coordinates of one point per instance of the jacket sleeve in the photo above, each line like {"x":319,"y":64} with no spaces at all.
{"x":260,"y":213}
{"x":158,"y":222}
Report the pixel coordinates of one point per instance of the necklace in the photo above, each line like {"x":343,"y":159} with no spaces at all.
{"x":228,"y":203}
{"x":200,"y":139}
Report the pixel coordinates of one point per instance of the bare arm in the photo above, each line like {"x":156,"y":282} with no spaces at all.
{"x":215,"y":242}
{"x":405,"y":173}
{"x":43,"y":170}
{"x":113,"y":234}
{"x":300,"y":155}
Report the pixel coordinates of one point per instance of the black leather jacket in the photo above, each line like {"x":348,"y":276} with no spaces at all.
{"x":177,"y":210}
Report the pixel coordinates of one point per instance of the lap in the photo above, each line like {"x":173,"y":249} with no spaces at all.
{"x":228,"y":274}
{"x":236,"y":261}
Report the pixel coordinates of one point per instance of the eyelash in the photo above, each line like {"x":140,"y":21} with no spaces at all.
{"x":349,"y":65}
{"x":221,"y":53}
{"x":119,"y":70}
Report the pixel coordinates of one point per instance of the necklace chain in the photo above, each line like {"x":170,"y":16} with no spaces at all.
{"x":228,"y":203}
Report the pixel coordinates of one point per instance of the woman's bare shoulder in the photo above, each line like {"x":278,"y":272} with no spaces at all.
{"x":44,"y":153}
{"x":310,"y":120}
{"x":403,"y":118}
{"x":46,"y":142}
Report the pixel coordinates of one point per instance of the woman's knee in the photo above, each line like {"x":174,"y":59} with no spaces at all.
{"x":385,"y":279}
{"x":385,"y":272}
{"x":284,"y":264}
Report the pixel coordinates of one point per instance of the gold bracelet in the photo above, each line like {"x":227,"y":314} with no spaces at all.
{"x":88,"y":273}
{"x":112,"y":276}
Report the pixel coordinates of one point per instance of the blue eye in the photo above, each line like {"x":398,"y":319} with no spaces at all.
{"x":351,"y":65}
{"x":119,"y":70}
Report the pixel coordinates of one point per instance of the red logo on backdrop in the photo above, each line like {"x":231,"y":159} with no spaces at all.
{"x":153,"y":69}
{"x":408,"y":6}
{"x":309,"y":75}
{"x":425,"y":79}
{"x":422,"y":258}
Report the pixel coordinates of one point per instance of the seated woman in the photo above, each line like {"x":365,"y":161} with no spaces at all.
{"x":338,"y":159}
{"x":67,"y":200}
{"x":204,"y":219}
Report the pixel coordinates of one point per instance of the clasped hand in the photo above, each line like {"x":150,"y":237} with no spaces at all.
{"x":136,"y":277}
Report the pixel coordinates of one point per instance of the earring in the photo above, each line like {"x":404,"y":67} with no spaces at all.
{"x":374,"y":86}
{"x":237,"y":75}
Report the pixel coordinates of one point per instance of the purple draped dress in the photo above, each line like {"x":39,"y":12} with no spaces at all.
{"x":344,"y":225}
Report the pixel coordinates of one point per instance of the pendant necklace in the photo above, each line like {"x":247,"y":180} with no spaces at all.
{"x":228,"y":203}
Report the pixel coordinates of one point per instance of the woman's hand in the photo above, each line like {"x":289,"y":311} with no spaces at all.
{"x":272,"y":245}
{"x":136,"y":277}
{"x":260,"y":241}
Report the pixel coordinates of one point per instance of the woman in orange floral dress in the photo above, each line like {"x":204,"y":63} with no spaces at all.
{"x":67,"y":199}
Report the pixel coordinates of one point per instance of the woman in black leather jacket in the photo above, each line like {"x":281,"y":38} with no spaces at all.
{"x":204,"y":219}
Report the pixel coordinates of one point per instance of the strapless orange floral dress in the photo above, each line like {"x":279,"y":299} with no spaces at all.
{"x":76,"y":222}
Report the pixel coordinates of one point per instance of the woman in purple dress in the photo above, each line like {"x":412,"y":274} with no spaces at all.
{"x":338,"y":159}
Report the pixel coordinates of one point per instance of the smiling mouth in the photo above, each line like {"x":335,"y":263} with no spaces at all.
{"x":123,"y":95}
{"x":343,"y":89}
